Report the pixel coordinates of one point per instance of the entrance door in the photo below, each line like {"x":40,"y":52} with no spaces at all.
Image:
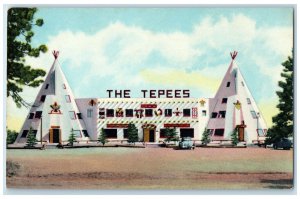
{"x":241,"y":134}
{"x":151,"y":135}
{"x":146,"y":135}
{"x":54,"y":136}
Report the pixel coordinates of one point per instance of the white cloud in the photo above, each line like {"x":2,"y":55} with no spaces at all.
{"x":119,"y":52}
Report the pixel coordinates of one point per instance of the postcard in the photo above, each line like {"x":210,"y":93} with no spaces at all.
{"x":150,"y":98}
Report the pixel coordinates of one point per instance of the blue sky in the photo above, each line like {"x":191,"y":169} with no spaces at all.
{"x":159,"y":48}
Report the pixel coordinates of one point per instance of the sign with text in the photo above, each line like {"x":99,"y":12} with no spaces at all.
{"x":176,"y":125}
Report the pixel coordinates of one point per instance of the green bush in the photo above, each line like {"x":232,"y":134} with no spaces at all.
{"x":206,"y":136}
{"x":31,"y":140}
{"x":102,"y":137}
{"x":11,"y":136}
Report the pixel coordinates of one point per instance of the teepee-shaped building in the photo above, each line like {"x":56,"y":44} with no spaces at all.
{"x":234,"y":107}
{"x":54,"y":113}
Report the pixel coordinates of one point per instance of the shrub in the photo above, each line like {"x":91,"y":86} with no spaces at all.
{"x":102,"y":137}
{"x":205,"y":136}
{"x":72,"y":138}
{"x":31,"y":140}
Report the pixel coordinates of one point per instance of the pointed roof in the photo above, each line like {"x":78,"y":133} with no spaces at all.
{"x":55,"y":91}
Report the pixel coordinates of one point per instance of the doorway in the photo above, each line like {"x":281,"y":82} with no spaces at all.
{"x":149,"y":135}
{"x":241,"y":131}
{"x":55,"y":136}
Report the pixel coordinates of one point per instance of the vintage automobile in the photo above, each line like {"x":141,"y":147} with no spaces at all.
{"x":283,"y":143}
{"x":186,"y":143}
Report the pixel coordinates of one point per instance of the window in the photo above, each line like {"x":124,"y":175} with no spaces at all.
{"x":38,"y":114}
{"x":89,"y":113}
{"x":222,"y":114}
{"x":79,"y":116}
{"x":228,"y":84}
{"x":253,"y":113}
{"x":68,"y":99}
{"x":219,"y":132}
{"x":85,"y":133}
{"x":211,"y":131}
{"x":111,"y":133}
{"x":72,"y":115}
{"x":109,"y":112}
{"x":214,"y":114}
{"x":129,"y":112}
{"x":203,"y":113}
{"x":248,"y":101}
{"x":43,"y":97}
{"x":189,"y":132}
{"x":77,"y":133}
{"x":34,"y":132}
{"x":242,"y":83}
{"x":64,"y":86}
{"x":24,"y":134}
{"x":224,"y":100}
{"x":31,"y":115}
{"x":186,"y":112}
{"x":148,"y":112}
{"x":168,"y":112}
{"x":47,"y":85}
{"x":162,"y":133}
{"x":125,"y":133}
{"x":260,"y":132}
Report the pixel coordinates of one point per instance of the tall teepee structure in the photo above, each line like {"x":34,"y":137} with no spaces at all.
{"x":234,"y":107}
{"x":54,"y":111}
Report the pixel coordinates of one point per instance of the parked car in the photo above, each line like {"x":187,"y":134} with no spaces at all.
{"x":186,"y":143}
{"x":283,"y":143}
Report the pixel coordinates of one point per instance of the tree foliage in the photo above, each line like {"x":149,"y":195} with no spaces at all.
{"x":102,"y":137}
{"x":171,"y":135}
{"x":283,"y":122}
{"x":11,"y":136}
{"x":31,"y":139}
{"x":132,"y":133}
{"x":20,"y":22}
{"x":205,"y":136}
{"x":72,"y":138}
{"x":234,"y":137}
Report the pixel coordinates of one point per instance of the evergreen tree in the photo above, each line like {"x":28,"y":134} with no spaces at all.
{"x":102,"y":137}
{"x":234,"y":137}
{"x":283,"y":122}
{"x":31,"y":139}
{"x":132,"y":133}
{"x":72,"y":138}
{"x":20,"y":22}
{"x":205,"y":136}
{"x":171,"y":135}
{"x":11,"y":136}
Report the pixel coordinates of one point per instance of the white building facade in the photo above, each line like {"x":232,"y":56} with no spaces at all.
{"x":56,"y":112}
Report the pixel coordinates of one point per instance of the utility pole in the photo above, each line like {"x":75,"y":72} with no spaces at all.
{"x":41,"y":131}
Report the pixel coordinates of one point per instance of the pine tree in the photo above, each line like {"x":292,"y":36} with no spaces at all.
{"x":11,"y":136}
{"x":72,"y":138}
{"x":20,"y":22}
{"x":171,"y":135}
{"x":102,"y":137}
{"x":234,"y":137}
{"x":283,"y":122}
{"x":132,"y":133}
{"x":205,"y":136}
{"x":31,"y":139}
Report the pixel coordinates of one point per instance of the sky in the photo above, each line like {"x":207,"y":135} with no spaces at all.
{"x":161,"y":48}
